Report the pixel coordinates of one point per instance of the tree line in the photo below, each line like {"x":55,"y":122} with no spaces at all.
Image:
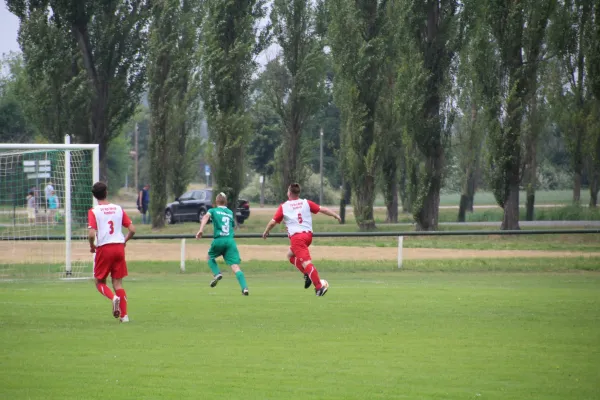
{"x":413,"y":95}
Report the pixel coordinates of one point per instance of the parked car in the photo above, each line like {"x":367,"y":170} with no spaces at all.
{"x":192,"y":205}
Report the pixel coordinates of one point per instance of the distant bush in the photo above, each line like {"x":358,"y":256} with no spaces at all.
{"x":310,"y":191}
{"x":552,"y":177}
{"x":252,"y":191}
{"x":568,"y":213}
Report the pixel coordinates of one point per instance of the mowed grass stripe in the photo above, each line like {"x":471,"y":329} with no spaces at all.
{"x":159,"y":270}
{"x":412,"y":336}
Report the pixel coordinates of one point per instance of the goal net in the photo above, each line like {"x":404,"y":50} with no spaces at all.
{"x":45,"y":194}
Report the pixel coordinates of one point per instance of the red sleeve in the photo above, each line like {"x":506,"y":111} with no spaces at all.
{"x":278,"y":217}
{"x":92,"y":220}
{"x":314,"y":207}
{"x":126,"y":220}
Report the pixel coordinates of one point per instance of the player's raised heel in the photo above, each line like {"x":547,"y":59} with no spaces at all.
{"x":216,"y":280}
{"x":307,"y":281}
{"x":321,"y":292}
{"x":245,"y":292}
{"x":116,"y":308}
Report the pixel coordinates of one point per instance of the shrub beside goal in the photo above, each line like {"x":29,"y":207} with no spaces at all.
{"x":39,"y":236}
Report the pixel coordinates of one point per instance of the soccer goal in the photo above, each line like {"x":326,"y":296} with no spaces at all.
{"x":45,"y":194}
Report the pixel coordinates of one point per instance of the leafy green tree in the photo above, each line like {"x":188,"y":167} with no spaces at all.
{"x":230,"y":31}
{"x":432,"y":27}
{"x":389,"y":122}
{"x":571,"y":98}
{"x":14,"y":124}
{"x":357,"y":35}
{"x":475,"y":67}
{"x":592,"y":46}
{"x":185,"y":105}
{"x":327,"y":119}
{"x":517,"y":30}
{"x":110,"y":37}
{"x":535,"y":121}
{"x":390,"y":128}
{"x":141,"y":119}
{"x":409,"y":99}
{"x":119,"y":161}
{"x":55,"y":95}
{"x":297,"y":92}
{"x":592,"y":145}
{"x":163,"y":35}
{"x":266,"y":137}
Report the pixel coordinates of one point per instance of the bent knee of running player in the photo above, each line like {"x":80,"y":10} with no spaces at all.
{"x":306,"y":262}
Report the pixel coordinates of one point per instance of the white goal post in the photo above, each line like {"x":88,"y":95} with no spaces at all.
{"x":71,"y":169}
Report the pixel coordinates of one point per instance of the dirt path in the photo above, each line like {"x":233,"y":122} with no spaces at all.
{"x":30,"y":252}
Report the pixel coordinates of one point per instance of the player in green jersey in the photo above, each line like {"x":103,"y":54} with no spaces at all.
{"x":223,"y":243}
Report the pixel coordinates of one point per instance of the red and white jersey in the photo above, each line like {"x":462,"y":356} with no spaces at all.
{"x":297,"y":215}
{"x":107,"y":220}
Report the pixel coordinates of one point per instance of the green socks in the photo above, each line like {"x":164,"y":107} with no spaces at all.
{"x":241,"y":279}
{"x":213,"y":266}
{"x":239,"y":275}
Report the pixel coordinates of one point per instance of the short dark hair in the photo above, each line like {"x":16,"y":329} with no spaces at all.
{"x":295,"y":189}
{"x":99,"y":190}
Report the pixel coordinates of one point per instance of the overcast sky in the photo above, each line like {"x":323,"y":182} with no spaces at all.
{"x":9,"y":26}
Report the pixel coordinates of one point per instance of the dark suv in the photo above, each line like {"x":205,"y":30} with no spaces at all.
{"x":192,"y":205}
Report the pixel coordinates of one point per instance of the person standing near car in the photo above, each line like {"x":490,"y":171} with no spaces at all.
{"x":143,"y":202}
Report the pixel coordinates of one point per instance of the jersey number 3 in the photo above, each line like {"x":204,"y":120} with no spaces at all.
{"x":225,"y":226}
{"x":300,"y":218}
{"x":112,"y":227}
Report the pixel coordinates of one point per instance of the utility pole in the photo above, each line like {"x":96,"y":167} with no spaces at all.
{"x":262,"y":191}
{"x":321,"y":170}
{"x":135,"y":178}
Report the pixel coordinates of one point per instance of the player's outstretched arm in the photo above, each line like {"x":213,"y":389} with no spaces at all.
{"x":327,"y":211}
{"x":203,"y":223}
{"x":270,"y":226}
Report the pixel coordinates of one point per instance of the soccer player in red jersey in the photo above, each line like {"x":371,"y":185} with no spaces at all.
{"x":108,"y":245}
{"x":296,"y":213}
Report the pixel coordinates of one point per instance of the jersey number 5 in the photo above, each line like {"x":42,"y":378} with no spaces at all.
{"x":300,"y":218}
{"x":112,"y":227}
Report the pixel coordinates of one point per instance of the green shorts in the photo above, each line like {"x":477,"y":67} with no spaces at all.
{"x":227,"y":248}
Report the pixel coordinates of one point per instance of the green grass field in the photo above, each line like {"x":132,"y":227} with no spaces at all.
{"x":462,"y":330}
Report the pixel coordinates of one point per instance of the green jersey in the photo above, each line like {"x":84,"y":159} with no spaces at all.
{"x":223,"y":222}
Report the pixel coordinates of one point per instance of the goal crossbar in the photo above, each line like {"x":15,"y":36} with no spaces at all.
{"x":48,"y":146}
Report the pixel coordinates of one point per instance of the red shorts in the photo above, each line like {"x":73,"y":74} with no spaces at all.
{"x":299,"y":245}
{"x":110,"y":259}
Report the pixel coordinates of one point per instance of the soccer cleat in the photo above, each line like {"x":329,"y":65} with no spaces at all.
{"x":216,"y":280}
{"x":307,"y":281}
{"x":116,"y":304}
{"x":245,"y":292}
{"x":321,"y":292}
{"x":124,"y":319}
